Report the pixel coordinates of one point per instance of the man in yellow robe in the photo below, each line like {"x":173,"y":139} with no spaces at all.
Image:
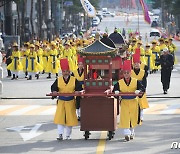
{"x":141,"y":76}
{"x":65,"y":116}
{"x":79,"y":75}
{"x":129,"y":117}
{"x":15,"y":66}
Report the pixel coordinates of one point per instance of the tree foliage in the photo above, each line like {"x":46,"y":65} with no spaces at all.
{"x":77,"y":7}
{"x":171,"y":6}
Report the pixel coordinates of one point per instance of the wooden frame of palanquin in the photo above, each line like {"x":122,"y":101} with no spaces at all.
{"x":100,"y":63}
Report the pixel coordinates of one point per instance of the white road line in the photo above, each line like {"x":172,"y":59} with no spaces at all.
{"x":171,"y":109}
{"x":24,"y":110}
{"x":4,"y":107}
{"x":50,"y":111}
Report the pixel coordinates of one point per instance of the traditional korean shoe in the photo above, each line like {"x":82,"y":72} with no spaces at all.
{"x":132,"y":136}
{"x":79,"y":119}
{"x":14,"y":77}
{"x":60,"y":138}
{"x":127,"y":137}
{"x":30,"y":78}
{"x":68,"y":138}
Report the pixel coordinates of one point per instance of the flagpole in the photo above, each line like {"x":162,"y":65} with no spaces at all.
{"x":138,"y":20}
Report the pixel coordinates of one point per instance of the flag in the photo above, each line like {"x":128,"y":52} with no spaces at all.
{"x":90,"y":10}
{"x":145,"y":10}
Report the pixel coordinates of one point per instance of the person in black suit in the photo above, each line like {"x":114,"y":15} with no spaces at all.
{"x":8,"y":58}
{"x":166,"y":62}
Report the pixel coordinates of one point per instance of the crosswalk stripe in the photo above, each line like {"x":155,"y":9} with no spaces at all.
{"x":4,"y":107}
{"x":156,"y":109}
{"x":37,"y":111}
{"x":171,"y":109}
{"x":50,"y":111}
{"x":12,"y":109}
{"x":177,"y":111}
{"x":24,"y":110}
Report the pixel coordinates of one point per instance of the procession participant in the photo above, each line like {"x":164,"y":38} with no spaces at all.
{"x":68,"y":54}
{"x":167,"y":62}
{"x":45,"y":55}
{"x":166,"y":42}
{"x":129,"y":117}
{"x":15,"y":66}
{"x":79,"y":75}
{"x":132,"y":46}
{"x":39,"y":52}
{"x":140,"y":50}
{"x":53,"y":62}
{"x":155,"y":54}
{"x":171,"y":44}
{"x":148,"y":58}
{"x":65,"y":116}
{"x":74,"y":55}
{"x":8,"y":59}
{"x":24,"y":53}
{"x":141,"y":76}
{"x":161,"y":45}
{"x":33,"y":66}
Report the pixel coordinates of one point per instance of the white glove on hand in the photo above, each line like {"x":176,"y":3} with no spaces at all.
{"x":116,"y":92}
{"x":137,"y":92}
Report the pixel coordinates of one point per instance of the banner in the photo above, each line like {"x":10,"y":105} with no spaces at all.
{"x":90,"y":10}
{"x":145,"y":10}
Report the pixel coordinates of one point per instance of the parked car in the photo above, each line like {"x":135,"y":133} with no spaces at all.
{"x":155,"y":32}
{"x":95,"y":21}
{"x":108,"y":14}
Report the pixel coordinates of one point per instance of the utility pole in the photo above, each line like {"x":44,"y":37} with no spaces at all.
{"x":40,"y":18}
{"x":162,"y":13}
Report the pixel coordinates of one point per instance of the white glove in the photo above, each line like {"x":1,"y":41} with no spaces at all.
{"x":116,"y":92}
{"x":137,"y":92}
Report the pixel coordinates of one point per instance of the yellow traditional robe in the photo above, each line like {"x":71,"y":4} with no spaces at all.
{"x":16,"y":64}
{"x":66,"y":110}
{"x":129,"y":107}
{"x":53,"y":64}
{"x":143,"y":102}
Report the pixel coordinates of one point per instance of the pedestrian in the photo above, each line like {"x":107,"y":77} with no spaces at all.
{"x":166,"y":62}
{"x":8,"y":59}
{"x":79,"y":75}
{"x":65,"y":116}
{"x":129,"y":118}
{"x":15,"y":66}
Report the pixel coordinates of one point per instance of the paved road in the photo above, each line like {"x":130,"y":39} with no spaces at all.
{"x":26,"y":125}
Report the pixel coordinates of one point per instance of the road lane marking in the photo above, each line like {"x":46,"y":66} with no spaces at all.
{"x":171,"y":109}
{"x":102,"y":143}
{"x":12,"y":109}
{"x":24,"y":110}
{"x":156,"y":109}
{"x":4,"y":107}
{"x":37,"y":111}
{"x":50,"y":111}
